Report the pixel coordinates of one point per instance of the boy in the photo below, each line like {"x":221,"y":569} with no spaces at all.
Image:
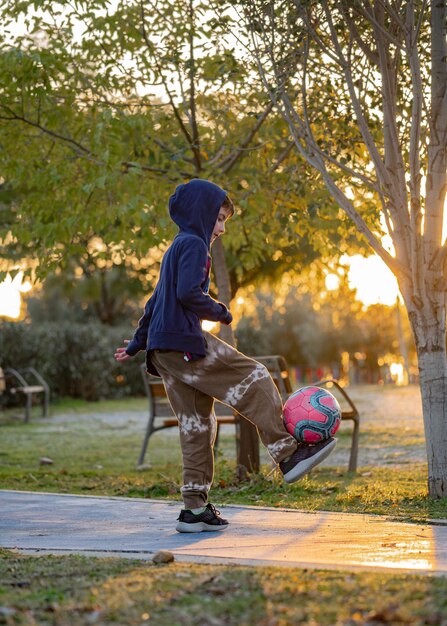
{"x":197,"y":367}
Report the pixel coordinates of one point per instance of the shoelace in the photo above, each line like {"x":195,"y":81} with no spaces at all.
{"x":212,"y":508}
{"x":209,"y":507}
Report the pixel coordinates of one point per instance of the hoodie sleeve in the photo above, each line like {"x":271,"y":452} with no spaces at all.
{"x":139,"y":339}
{"x":191,"y":274}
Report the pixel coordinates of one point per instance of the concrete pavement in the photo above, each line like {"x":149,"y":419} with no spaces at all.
{"x":46,"y":523}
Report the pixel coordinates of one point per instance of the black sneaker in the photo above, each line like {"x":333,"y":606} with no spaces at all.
{"x":208,"y":520}
{"x":305,"y":458}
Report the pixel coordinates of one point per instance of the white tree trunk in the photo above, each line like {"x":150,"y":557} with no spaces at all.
{"x":433,"y":379}
{"x":430,"y":339}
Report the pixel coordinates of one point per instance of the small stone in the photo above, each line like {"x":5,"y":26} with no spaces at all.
{"x":163,"y":556}
{"x":7,"y":611}
{"x":144,"y":466}
{"x":45,"y":460}
{"x":94,"y":616}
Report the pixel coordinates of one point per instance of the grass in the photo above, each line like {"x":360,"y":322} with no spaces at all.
{"x":73,"y":406}
{"x":78,"y":590}
{"x":94,"y":448}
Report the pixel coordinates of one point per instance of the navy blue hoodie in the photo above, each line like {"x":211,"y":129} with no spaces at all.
{"x":172,"y":316}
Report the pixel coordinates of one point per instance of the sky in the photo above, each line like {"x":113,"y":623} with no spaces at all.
{"x":373,"y":280}
{"x":11,"y":291}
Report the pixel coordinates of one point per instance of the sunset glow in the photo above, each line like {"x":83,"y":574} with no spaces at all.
{"x":371,"y":278}
{"x":373,"y":281}
{"x":11,"y":295}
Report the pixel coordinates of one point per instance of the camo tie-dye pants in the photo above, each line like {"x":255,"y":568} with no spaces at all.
{"x":227,"y":375}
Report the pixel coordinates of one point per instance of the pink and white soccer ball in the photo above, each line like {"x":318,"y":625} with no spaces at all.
{"x":312,"y":414}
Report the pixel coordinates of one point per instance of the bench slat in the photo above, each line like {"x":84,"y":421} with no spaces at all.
{"x":28,"y":389}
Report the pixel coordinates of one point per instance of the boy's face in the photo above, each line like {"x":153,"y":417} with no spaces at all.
{"x":219,"y":226}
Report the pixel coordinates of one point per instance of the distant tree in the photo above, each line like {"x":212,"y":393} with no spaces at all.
{"x":312,"y":326}
{"x":92,"y":287}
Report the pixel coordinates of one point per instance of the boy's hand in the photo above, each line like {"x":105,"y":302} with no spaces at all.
{"x":121,"y":354}
{"x":228,"y":319}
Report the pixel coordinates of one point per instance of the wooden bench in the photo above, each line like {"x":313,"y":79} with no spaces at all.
{"x":160,"y":409}
{"x":27,"y":382}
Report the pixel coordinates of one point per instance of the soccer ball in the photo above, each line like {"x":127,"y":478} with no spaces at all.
{"x":312,"y":414}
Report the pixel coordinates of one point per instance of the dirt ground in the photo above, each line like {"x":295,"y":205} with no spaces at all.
{"x":391,"y":427}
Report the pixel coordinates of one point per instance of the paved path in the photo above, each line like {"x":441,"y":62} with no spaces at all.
{"x":130,"y":527}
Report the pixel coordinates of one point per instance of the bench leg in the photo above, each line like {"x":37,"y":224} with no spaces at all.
{"x":216,"y":440}
{"x":353,"y":457}
{"x":45,"y":403}
{"x":28,"y":405}
{"x":147,"y":436}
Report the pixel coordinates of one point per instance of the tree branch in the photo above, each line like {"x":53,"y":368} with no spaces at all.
{"x":394,"y":162}
{"x":84,"y":152}
{"x":47,"y":131}
{"x":394,"y":15}
{"x":175,"y":110}
{"x":381,"y":171}
{"x":420,"y":20}
{"x":125,"y":71}
{"x":439,"y":258}
{"x":284,"y":154}
{"x":317,"y":162}
{"x":368,"y":14}
{"x":437,"y":154}
{"x":230,"y":161}
{"x":310,"y":137}
{"x":305,"y":15}
{"x":415,"y":137}
{"x":192,"y":95}
{"x":354,"y":32}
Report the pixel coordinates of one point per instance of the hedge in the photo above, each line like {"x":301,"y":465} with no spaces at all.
{"x":75,"y":359}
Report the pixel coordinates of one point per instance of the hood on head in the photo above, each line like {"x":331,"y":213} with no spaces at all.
{"x":194,"y":207}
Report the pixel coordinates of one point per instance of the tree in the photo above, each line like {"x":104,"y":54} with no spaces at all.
{"x":95,"y":286}
{"x":379,"y":66}
{"x":105,"y":108}
{"x":312,"y":326}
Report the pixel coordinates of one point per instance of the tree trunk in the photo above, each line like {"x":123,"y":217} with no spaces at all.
{"x":433,"y":379}
{"x":223,"y":287}
{"x":247,"y":438}
{"x":430,"y":338}
{"x":402,"y":344}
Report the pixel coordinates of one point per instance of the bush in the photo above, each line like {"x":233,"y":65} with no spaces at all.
{"x":75,"y":359}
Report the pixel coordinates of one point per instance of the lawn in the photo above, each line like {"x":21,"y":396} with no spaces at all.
{"x":94,"y":449}
{"x":78,"y":590}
